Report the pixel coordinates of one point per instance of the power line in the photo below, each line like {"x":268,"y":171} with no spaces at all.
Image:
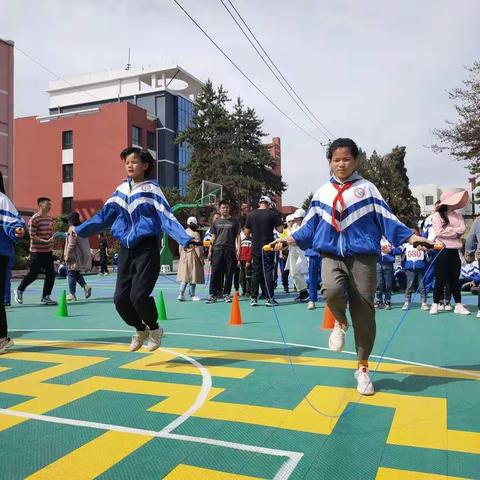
{"x":322,"y":129}
{"x":54,"y":74}
{"x":245,"y":75}
{"x":275,"y":66}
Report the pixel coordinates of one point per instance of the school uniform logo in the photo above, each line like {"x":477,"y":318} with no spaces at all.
{"x":359,"y":192}
{"x":146,"y":188}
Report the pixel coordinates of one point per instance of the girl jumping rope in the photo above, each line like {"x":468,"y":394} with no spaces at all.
{"x":138,"y":213}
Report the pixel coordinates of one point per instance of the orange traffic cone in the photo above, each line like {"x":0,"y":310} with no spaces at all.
{"x":328,"y":319}
{"x":235,"y":314}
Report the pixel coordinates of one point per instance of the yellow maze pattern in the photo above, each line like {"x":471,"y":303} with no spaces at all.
{"x":417,"y":422}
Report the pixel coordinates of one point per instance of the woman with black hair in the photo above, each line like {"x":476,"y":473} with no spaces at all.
{"x":12,"y":229}
{"x":449,"y":226}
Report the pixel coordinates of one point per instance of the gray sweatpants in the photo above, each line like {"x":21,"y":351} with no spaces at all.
{"x":352,"y":280}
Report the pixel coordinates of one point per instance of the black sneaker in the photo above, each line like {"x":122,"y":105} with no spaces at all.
{"x":227,"y":298}
{"x":387,"y":306}
{"x":286,"y":290}
{"x":271,"y":303}
{"x":378,"y":305}
{"x":211,"y":299}
{"x":253,"y":302}
{"x":302,"y":296}
{"x":46,"y":300}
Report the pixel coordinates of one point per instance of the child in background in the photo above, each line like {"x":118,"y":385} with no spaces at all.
{"x":415,"y":263}
{"x":138,"y":213}
{"x":314,"y":276}
{"x":78,"y":258}
{"x":245,"y":262}
{"x":385,"y":261}
{"x":190,"y":265}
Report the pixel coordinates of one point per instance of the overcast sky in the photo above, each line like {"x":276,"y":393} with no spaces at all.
{"x":375,"y":71}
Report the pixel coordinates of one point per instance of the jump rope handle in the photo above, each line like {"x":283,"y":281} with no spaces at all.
{"x":269,"y":247}
{"x":428,"y":244}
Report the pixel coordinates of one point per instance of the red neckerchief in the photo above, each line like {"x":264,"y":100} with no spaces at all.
{"x":338,"y":198}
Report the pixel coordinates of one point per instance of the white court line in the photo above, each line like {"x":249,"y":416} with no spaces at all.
{"x":283,"y":473}
{"x":254,"y":340}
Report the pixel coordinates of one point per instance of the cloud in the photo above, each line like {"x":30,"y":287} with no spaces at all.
{"x":376,"y":71}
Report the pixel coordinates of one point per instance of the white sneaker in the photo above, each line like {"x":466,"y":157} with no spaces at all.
{"x":336,"y":341}
{"x":71,"y":297}
{"x":88,"y":291}
{"x":434,"y":309}
{"x":405,"y":306}
{"x":195,"y":299}
{"x":448,"y":307}
{"x":311,"y":306}
{"x":441,"y":307}
{"x":460,"y":309}
{"x":5,"y":343}
{"x":138,"y":339}
{"x":18,"y":295}
{"x":181,"y":297}
{"x":364,"y":384}
{"x":425,"y":306}
{"x":478,"y":314}
{"x":155,"y":339}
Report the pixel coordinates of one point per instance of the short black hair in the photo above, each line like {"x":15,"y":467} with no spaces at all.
{"x":143,"y":155}
{"x":342,"y":142}
{"x":223,"y":202}
{"x":74,"y":219}
{"x":42,"y":199}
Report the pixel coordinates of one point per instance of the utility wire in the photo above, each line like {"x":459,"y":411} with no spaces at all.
{"x":331,"y":135}
{"x":246,"y":77}
{"x":54,"y":74}
{"x":322,"y":130}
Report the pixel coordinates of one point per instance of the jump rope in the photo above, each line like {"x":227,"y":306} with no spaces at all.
{"x":352,"y":405}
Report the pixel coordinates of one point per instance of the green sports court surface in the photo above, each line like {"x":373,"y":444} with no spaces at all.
{"x":222,"y":402}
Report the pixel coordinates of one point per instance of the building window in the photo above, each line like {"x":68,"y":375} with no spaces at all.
{"x":67,"y":172}
{"x":67,"y":139}
{"x":136,"y":135}
{"x":67,"y":205}
{"x":151,"y":144}
{"x":428,"y":200}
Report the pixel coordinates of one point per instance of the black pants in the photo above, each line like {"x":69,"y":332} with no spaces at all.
{"x":103,"y":265}
{"x":447,"y":271}
{"x":223,"y":265}
{"x":3,"y":279}
{"x":138,"y":270}
{"x":245,"y":277}
{"x":258,"y":276}
{"x":37,"y":262}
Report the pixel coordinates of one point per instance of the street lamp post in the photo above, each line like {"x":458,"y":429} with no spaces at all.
{"x":473,"y":181}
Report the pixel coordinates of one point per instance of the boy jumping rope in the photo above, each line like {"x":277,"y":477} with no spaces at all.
{"x":345,"y":222}
{"x":138,"y":213}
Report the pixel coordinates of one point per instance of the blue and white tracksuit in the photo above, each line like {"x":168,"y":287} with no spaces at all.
{"x":385,"y":263}
{"x":138,"y":215}
{"x":345,"y":224}
{"x":10,"y":219}
{"x":415,"y":264}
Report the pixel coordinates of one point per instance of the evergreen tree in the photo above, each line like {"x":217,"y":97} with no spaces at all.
{"x":227,"y":149}
{"x":306,"y":203}
{"x":389,"y":175}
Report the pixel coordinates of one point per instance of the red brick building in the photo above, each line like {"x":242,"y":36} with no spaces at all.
{"x":6,"y":112}
{"x":73,"y":158}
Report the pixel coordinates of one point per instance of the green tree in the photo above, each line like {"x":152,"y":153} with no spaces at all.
{"x":227,"y":149}
{"x":462,"y":137}
{"x":306,"y":203}
{"x":389,"y":174}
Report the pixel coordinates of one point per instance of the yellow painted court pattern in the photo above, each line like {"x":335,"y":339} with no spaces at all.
{"x":37,"y":380}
